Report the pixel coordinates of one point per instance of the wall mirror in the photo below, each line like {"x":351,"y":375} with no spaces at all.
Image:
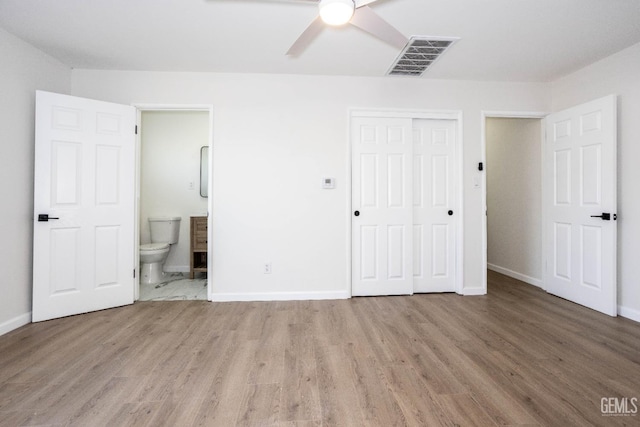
{"x":204,"y":171}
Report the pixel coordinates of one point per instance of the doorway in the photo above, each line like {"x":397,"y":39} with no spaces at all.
{"x":173,"y":181}
{"x":514,"y":197}
{"x":485,"y":117}
{"x":578,"y":214}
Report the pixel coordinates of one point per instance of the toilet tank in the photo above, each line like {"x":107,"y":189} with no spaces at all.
{"x":164,"y":229}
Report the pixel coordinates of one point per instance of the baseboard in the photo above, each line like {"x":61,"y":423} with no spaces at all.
{"x":176,"y":269}
{"x":522,"y":277}
{"x":473,"y":291}
{"x":15,"y":323}
{"x":280,"y":296}
{"x":629,"y":313}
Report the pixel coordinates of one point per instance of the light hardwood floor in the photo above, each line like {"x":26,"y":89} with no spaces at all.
{"x":515,"y":357}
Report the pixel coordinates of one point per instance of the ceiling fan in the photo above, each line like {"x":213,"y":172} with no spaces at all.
{"x":341,"y":12}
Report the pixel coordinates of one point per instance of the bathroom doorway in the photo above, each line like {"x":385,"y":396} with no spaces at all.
{"x":173,"y":181}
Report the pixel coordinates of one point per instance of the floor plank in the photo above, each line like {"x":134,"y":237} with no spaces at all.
{"x":516,"y":356}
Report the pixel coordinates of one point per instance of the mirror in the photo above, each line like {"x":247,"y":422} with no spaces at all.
{"x":204,"y":171}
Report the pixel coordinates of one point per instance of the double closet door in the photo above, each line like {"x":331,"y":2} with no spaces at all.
{"x":404,"y":205}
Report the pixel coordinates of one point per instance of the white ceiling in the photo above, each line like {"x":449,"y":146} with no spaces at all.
{"x":500,"y":40}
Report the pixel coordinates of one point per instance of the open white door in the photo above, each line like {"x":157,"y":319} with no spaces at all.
{"x":580,"y":204}
{"x":382,"y":206}
{"x":83,"y":238}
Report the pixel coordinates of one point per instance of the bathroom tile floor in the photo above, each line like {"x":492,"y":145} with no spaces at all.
{"x":177,"y":286}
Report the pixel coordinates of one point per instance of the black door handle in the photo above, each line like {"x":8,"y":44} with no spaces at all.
{"x":450,"y":213}
{"x":605,"y":216}
{"x":357,"y":213}
{"x":45,"y":217}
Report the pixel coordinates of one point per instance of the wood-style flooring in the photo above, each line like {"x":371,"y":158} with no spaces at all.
{"x":517,"y":356}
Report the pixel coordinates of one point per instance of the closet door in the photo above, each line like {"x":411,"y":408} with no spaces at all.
{"x":382,"y":208}
{"x":434,"y":205}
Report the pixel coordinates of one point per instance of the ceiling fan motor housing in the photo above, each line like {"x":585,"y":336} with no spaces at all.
{"x":336,"y":12}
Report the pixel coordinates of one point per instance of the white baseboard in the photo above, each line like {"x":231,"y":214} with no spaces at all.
{"x":473,"y":291}
{"x":522,"y":277}
{"x":15,"y":323}
{"x":280,"y":296}
{"x":176,"y":269}
{"x":629,"y":313}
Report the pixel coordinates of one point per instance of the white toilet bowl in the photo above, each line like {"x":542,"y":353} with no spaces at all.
{"x":152,"y":258}
{"x":164,"y":232}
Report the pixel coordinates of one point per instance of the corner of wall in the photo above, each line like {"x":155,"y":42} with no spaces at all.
{"x":629,"y":313}
{"x":15,"y":323}
{"x":24,"y":70}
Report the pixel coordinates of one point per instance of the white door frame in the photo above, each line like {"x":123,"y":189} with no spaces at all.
{"x":459,"y":224}
{"x":174,"y":107}
{"x":484,"y":115}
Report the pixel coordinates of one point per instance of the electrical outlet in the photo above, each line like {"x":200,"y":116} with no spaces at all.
{"x":267,"y":268}
{"x":192,"y":185}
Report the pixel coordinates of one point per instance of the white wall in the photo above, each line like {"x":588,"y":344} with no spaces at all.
{"x":170,"y":164}
{"x":514,"y":197}
{"x":618,"y":74}
{"x":275,"y":137}
{"x":23,"y":69}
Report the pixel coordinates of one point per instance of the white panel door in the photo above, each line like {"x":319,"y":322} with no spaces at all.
{"x":434,"y":205}
{"x":83,"y":237}
{"x":382,"y":207}
{"x":580,"y":193}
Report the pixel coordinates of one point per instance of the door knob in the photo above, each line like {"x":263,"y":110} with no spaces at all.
{"x":357,"y":213}
{"x":605,"y":216}
{"x":450,"y":212}
{"x":45,"y":217}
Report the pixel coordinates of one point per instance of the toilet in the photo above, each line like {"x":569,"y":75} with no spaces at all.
{"x":164,"y":233}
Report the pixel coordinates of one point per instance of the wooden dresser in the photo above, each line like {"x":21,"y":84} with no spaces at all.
{"x":198,"y":248}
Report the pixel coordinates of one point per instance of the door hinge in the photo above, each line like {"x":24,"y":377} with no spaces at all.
{"x":134,"y":273}
{"x":136,"y":129}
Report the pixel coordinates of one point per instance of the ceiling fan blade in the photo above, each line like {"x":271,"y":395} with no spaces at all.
{"x":360,"y":3}
{"x":306,"y":37}
{"x":277,"y":1}
{"x":366,"y":19}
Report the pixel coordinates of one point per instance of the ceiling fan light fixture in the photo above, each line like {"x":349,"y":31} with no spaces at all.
{"x":336,"y":12}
